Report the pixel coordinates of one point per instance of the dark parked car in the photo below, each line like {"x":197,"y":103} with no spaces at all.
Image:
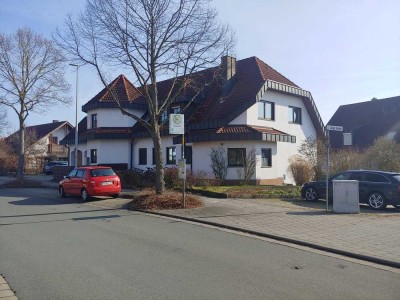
{"x":48,"y":167}
{"x":376,"y":188}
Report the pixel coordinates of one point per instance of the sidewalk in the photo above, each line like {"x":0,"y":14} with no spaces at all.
{"x":372,"y":236}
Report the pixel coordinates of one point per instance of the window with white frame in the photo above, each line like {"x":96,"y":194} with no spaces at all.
{"x":171,"y":155}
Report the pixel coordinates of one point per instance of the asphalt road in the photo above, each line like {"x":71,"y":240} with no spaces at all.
{"x":53,"y":248}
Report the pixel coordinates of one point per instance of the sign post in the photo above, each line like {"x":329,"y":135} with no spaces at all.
{"x":329,"y":128}
{"x":177,"y":126}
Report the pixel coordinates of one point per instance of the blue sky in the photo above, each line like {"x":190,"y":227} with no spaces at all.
{"x":341,"y":51}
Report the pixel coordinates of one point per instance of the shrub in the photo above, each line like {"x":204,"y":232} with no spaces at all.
{"x":131,"y":178}
{"x":219,"y":163}
{"x":149,"y":200}
{"x":300,"y":169}
{"x":382,"y":155}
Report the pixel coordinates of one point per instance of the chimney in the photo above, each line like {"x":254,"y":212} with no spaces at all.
{"x":56,"y":121}
{"x":228,"y":68}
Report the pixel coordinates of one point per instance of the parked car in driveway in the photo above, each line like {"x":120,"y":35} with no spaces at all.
{"x":376,"y":188}
{"x":90,"y":181}
{"x":48,"y":167}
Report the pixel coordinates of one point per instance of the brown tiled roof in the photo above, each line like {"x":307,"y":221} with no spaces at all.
{"x":41,"y":130}
{"x":247,"y":129}
{"x":238,"y":133}
{"x":210,"y":109}
{"x":251,"y":74}
{"x":367,"y":121}
{"x":269,"y":73}
{"x":120,"y":89}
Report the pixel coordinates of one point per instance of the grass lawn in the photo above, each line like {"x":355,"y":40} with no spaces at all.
{"x":254,"y":191}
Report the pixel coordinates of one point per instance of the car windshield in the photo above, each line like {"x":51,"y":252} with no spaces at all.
{"x":101,"y":172}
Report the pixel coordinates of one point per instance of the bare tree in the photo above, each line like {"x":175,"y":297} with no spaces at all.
{"x":152,"y":39}
{"x":313,"y":150}
{"x":31,"y":79}
{"x":249,"y":166}
{"x":3,"y":121}
{"x":219,"y":163}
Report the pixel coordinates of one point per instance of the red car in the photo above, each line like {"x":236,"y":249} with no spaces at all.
{"x":90,"y":181}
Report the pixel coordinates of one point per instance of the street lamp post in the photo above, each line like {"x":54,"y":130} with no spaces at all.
{"x":76,"y":115}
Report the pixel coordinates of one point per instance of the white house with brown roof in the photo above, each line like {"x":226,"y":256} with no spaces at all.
{"x":43,"y":143}
{"x":251,"y":107}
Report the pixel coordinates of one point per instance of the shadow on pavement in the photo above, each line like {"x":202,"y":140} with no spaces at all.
{"x":321,"y":204}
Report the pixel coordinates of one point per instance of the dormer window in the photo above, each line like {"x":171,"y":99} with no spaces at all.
{"x":94,"y":120}
{"x":164,"y":116}
{"x":175,"y":110}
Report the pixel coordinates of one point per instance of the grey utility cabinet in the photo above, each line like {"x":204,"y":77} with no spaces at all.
{"x":346,"y":196}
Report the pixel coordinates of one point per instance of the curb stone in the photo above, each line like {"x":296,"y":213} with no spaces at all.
{"x":5,"y":291}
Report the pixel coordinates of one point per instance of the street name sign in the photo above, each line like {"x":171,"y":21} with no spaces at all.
{"x":334,"y":128}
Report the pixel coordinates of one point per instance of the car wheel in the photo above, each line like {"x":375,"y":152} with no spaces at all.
{"x":85,"y":196}
{"x":62,"y":192}
{"x":311,"y":194}
{"x":376,"y":200}
{"x":115,"y":195}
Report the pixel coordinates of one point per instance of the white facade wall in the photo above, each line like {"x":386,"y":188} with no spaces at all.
{"x":281,"y":122}
{"x":112,"y":117}
{"x":202,"y":161}
{"x":283,"y":151}
{"x":60,"y":133}
{"x":119,"y":151}
{"x":148,"y":144}
{"x":110,"y":151}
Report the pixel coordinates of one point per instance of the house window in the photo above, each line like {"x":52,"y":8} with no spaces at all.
{"x":93,"y":156}
{"x":294,"y":115}
{"x":171,"y":155}
{"x":142,"y":156}
{"x":188,"y":154}
{"x":266,"y":157}
{"x":87,"y":159}
{"x":175,"y":110}
{"x":236,"y":157}
{"x":164,"y":116}
{"x":266,"y":110}
{"x":94,"y":120}
{"x":54,"y":140}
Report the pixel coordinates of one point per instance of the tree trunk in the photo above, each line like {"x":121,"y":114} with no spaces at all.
{"x":160,"y":182}
{"x":21,"y":151}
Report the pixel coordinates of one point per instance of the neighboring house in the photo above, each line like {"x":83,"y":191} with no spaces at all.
{"x":42,"y":143}
{"x":367,"y":121}
{"x":251,"y":106}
